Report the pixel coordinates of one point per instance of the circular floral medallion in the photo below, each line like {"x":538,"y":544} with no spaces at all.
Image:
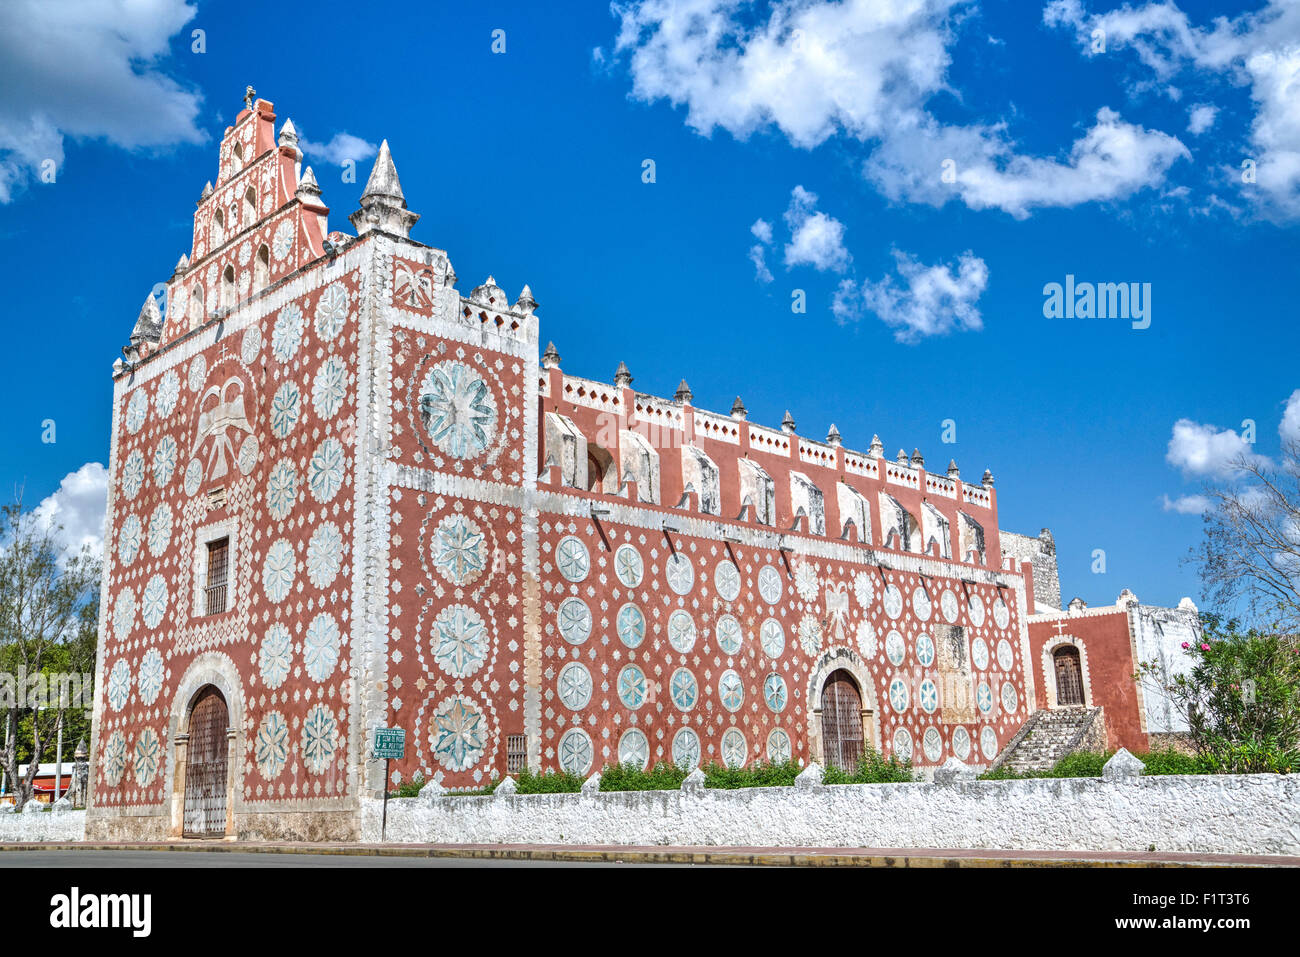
{"x":150,"y":680}
{"x":281,"y":490}
{"x":686,"y":749}
{"x":331,"y":311}
{"x":893,"y":601}
{"x":320,"y":650}
{"x":778,"y":747}
{"x":864,"y":589}
{"x":628,"y":566}
{"x":769,"y":584}
{"x":729,"y":634}
{"x":895,"y":648}
{"x":735,"y":751}
{"x":630,"y":625}
{"x":119,"y":684}
{"x":731,"y":690}
{"x":114,"y":758}
{"x":325,"y":470}
{"x":286,"y":408}
{"x":273,"y":657}
{"x":903,"y":744}
{"x":976,"y":611}
{"x":169,"y":390}
{"x":575,"y":752}
{"x":1006,"y":659}
{"x":574,"y":686}
{"x":286,"y":334}
{"x":324,"y":555}
{"x":771,"y":638}
{"x":925,"y":650}
{"x":810,"y":634}
{"x":164,"y":461}
{"x":458,"y":733}
{"x":805,"y":581}
{"x":979,"y":654}
{"x":153,"y":601}
{"x":279,"y":571}
{"x":250,"y":347}
{"x":124,"y":614}
{"x":683,"y":690}
{"x":1010,"y":699}
{"x":989,"y":742}
{"x":921,"y":604}
{"x":160,"y":529}
{"x":726,"y":579}
{"x":128,"y":540}
{"x":137,"y":410}
{"x":632,"y":686}
{"x":320,"y":738}
{"x":774,"y":693}
{"x":984,"y":697}
{"x":948,"y":606}
{"x":634,"y":749}
{"x":133,"y":474}
{"x":282,"y":242}
{"x":459,"y":550}
{"x":148,"y":753}
{"x":1000,"y":613}
{"x":573,"y":618}
{"x":198,"y":373}
{"x":680,"y":573}
{"x":961,"y":744}
{"x":868,"y":644}
{"x":898,"y":696}
{"x":681,"y":630}
{"x":932,"y":744}
{"x":929,"y":696}
{"x":271,"y":748}
{"x":193,"y":476}
{"x":457,"y":409}
{"x":572,"y":559}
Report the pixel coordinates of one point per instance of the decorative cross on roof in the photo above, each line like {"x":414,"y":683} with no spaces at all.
{"x":249,"y":93}
{"x":1060,"y":627}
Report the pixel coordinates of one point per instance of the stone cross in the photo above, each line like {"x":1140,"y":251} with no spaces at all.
{"x":249,"y":93}
{"x":1060,"y":627}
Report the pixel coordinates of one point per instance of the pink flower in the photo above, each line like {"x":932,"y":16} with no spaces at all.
{"x":1186,"y":645}
{"x":1205,"y":647}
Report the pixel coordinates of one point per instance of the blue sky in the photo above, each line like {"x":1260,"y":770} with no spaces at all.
{"x":796,"y":146}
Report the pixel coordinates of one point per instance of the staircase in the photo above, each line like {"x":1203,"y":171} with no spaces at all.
{"x":1049,"y":736}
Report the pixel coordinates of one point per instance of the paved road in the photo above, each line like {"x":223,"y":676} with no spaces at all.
{"x":94,"y":859}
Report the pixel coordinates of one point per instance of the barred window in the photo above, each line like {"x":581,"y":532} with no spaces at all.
{"x":516,"y":753}
{"x":218,"y":570}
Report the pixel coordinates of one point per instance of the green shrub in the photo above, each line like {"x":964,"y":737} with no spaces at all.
{"x":548,"y":782}
{"x":1171,"y":761}
{"x":874,"y":769}
{"x":765,"y":775}
{"x":1081,"y":764}
{"x":664,"y":776}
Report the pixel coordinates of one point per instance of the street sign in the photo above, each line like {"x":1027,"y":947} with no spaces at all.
{"x":390,"y":743}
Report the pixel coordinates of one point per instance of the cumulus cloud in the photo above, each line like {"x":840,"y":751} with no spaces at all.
{"x":1187,"y":504}
{"x":87,"y":69}
{"x":341,"y":148}
{"x":1199,"y":449}
{"x":816,"y":239}
{"x":1200,"y":117}
{"x":1259,"y":49}
{"x":1289,"y":427}
{"x":815,"y":69}
{"x":929,"y":301}
{"x":76,"y":509}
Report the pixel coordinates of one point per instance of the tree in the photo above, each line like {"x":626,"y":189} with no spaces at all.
{"x":48,"y":607}
{"x":1250,"y":554}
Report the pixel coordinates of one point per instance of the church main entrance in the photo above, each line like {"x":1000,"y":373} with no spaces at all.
{"x":841,"y":721}
{"x":1069,"y":677}
{"x":205,"y":766}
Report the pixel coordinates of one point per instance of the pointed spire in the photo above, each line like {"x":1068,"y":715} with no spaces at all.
{"x":551,"y":357}
{"x":526,"y":304}
{"x":987,"y":479}
{"x":787,"y":423}
{"x":877,"y":448}
{"x":918,"y":461}
{"x":683,"y":394}
{"x":833,"y":437}
{"x":490,"y":294}
{"x":954,"y":473}
{"x":207,"y":191}
{"x":182,"y":265}
{"x":308,"y":188}
{"x":738,"y":410}
{"x":902,"y":457}
{"x":383,"y":206}
{"x":148,"y":326}
{"x":289,"y":135}
{"x":623,"y":376}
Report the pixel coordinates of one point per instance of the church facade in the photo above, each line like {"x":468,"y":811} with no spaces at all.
{"x":346,"y":496}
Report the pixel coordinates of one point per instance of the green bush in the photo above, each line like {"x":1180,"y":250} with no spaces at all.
{"x":548,"y":782}
{"x":1171,"y":761}
{"x":765,"y":775}
{"x":664,"y":776}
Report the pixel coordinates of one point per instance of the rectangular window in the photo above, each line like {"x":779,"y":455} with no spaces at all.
{"x":516,"y":753}
{"x":218,"y":570}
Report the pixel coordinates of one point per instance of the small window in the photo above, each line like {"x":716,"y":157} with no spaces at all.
{"x":218,"y":570}
{"x":228,"y":297}
{"x":250,"y":207}
{"x":516,"y":753}
{"x":261,"y":268}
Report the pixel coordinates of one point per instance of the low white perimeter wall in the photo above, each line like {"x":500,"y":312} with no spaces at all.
{"x":42,"y":826}
{"x":1244,"y":814}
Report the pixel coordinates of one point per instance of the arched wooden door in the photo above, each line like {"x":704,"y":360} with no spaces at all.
{"x":841,"y":721}
{"x":205,"y":766}
{"x":1069,"y":677}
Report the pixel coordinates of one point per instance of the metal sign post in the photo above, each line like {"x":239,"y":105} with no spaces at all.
{"x":389,"y":743}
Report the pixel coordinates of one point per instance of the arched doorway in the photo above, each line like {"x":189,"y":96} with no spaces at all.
{"x":1069,"y":677}
{"x":841,"y":721}
{"x":207,"y":756}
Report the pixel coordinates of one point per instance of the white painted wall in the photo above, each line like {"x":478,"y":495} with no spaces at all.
{"x":1158,"y":636}
{"x":1248,"y":814}
{"x":42,"y":826}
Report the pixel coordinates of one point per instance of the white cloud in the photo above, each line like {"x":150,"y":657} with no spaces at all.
{"x":1200,"y":117}
{"x":931,"y":301}
{"x":78,"y":506}
{"x":341,"y":148}
{"x":816,"y":239}
{"x":88,"y":69}
{"x":1187,"y":504}
{"x":862,"y":69}
{"x":762,"y":231}
{"x":1199,"y":449}
{"x":1289,"y":427}
{"x":1259,"y":49}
